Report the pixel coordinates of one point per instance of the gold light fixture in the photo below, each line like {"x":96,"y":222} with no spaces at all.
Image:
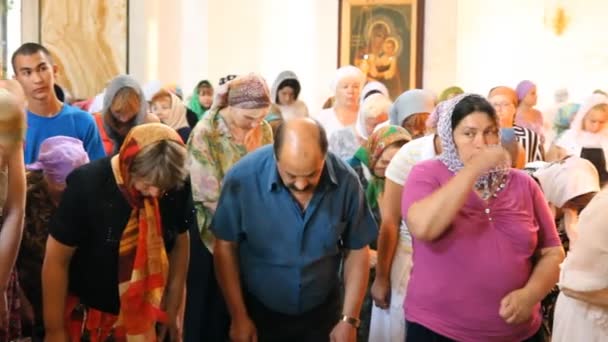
{"x":557,"y":19}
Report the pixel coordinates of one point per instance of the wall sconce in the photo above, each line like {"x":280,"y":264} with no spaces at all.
{"x":556,"y":19}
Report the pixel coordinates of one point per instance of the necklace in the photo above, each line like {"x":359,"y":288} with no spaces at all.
{"x":492,"y":185}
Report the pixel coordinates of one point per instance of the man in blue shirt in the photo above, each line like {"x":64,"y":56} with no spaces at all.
{"x":46,"y":115}
{"x":288,"y":215}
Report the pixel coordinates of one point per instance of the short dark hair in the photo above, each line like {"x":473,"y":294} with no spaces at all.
{"x":280,"y":136}
{"x":28,"y":49}
{"x":291,"y":83}
{"x":470,"y":104}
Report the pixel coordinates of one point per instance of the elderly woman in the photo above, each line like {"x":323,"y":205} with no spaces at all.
{"x":411,"y":111}
{"x":469,"y":203}
{"x":346,"y":87}
{"x":373,"y":111}
{"x":58,"y":156}
{"x":373,"y":87}
{"x":117,"y":255}
{"x":12,"y":203}
{"x":588,"y":136}
{"x":504,"y":100}
{"x":124,"y":107}
{"x":285,"y":92}
{"x":233,"y":127}
{"x":581,"y":312}
{"x":171,"y":111}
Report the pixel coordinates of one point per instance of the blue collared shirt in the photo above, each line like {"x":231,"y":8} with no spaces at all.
{"x":289,"y":258}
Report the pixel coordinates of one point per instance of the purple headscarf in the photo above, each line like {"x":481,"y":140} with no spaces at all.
{"x":58,"y":156}
{"x":523,"y":88}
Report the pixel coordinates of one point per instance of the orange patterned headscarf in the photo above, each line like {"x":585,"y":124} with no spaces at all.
{"x":143,"y":264}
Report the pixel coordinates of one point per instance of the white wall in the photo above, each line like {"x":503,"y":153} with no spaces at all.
{"x":476,"y":44}
{"x":265,"y":36}
{"x":189,"y":40}
{"x":504,"y":44}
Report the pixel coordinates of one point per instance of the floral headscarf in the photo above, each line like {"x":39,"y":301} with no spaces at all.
{"x":370,"y":154}
{"x":449,"y":155}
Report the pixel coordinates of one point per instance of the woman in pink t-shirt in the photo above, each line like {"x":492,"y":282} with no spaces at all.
{"x":486,"y":250}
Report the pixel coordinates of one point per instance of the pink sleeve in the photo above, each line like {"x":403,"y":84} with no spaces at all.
{"x":421,"y":182}
{"x":547,"y":232}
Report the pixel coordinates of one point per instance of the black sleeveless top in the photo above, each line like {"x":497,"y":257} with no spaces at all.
{"x":596,"y":156}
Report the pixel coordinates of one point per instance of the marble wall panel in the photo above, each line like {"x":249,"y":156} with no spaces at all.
{"x":88,"y":40}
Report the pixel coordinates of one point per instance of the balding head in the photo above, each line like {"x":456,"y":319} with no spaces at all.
{"x":300,"y":137}
{"x":300,"y":147}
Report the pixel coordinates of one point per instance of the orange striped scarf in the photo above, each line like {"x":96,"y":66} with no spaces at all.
{"x":143,"y":264}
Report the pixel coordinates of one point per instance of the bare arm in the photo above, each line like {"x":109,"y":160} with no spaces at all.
{"x":13,"y":212}
{"x":422,"y":219}
{"x":356,"y":273}
{"x":176,"y":287}
{"x":545,"y":273}
{"x":55,"y":285}
{"x":228,"y":277}
{"x":597,"y":297}
{"x":390,"y":210}
{"x":555,"y":153}
{"x":178,"y":268}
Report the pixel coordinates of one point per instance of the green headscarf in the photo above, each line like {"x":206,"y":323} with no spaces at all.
{"x":449,"y":92}
{"x":370,"y":154}
{"x":194,"y":104}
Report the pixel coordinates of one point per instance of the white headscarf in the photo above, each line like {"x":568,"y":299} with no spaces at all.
{"x":346,"y":72}
{"x":177,"y":117}
{"x":372,"y":107}
{"x":563,"y":180}
{"x":375,"y":87}
{"x":575,"y":139}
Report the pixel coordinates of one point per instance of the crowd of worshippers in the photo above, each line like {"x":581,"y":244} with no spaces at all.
{"x":237,"y":213}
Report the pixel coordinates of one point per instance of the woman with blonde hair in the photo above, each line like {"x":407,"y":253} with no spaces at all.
{"x":373,"y":111}
{"x":346,"y":87}
{"x":12,"y":203}
{"x":588,"y":136}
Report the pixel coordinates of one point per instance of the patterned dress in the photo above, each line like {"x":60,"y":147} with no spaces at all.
{"x":12,"y":291}
{"x":212,"y":152}
{"x":38,"y":211}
